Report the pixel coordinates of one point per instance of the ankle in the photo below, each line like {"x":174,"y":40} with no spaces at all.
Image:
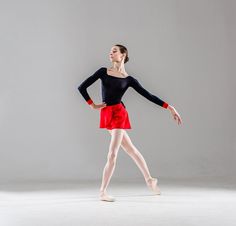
{"x":149,"y":179}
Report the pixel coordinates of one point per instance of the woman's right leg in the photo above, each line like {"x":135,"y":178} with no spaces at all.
{"x":116,"y":138}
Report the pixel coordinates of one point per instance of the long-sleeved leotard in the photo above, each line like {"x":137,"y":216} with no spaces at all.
{"x":113,"y":88}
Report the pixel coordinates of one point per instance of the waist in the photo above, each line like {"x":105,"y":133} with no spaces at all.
{"x":115,"y":103}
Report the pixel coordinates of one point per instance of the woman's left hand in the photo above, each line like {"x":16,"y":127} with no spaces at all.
{"x":175,"y":114}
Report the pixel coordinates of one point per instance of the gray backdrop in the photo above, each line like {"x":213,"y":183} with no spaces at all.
{"x":183,"y":51}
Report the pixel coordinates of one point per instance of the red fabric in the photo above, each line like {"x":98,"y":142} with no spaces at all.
{"x":114,"y":117}
{"x":89,"y":101}
{"x":165,"y":105}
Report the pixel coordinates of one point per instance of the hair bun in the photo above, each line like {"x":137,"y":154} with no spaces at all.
{"x":123,"y":49}
{"x":126,"y":59}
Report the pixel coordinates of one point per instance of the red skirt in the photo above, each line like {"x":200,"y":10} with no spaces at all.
{"x":114,"y":117}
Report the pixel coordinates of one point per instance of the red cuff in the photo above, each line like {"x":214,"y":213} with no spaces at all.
{"x":165,"y":105}
{"x":89,"y":101}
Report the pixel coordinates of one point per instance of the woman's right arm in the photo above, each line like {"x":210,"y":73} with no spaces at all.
{"x":86,"y":83}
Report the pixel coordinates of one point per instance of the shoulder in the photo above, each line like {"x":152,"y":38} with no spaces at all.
{"x":103,"y":68}
{"x":100,"y":71}
{"x":132,"y":78}
{"x":134,"y":82}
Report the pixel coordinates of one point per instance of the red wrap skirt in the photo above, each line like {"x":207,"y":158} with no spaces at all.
{"x":114,"y":117}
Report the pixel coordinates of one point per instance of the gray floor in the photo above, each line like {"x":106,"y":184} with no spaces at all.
{"x":209,"y":201}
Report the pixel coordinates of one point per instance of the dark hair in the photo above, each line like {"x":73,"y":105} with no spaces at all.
{"x":123,"y":49}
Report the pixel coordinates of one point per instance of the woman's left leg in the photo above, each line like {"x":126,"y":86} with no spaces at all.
{"x":134,"y":153}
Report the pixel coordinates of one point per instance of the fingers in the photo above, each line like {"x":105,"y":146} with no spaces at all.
{"x":177,"y":118}
{"x":102,"y":105}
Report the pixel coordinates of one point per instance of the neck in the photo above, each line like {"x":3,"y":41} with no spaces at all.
{"x":118,"y":66}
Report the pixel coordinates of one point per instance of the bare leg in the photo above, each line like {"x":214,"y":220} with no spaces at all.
{"x":133,"y":152}
{"x":116,"y":138}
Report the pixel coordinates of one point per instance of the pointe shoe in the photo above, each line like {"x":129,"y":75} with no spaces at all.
{"x":105,"y":197}
{"x":152,"y":184}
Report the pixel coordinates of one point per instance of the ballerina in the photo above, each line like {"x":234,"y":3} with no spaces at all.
{"x":115,"y":118}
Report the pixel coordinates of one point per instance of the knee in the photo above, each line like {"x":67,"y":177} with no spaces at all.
{"x":112,"y":156}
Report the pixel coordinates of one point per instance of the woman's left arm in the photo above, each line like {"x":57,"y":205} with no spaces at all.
{"x":141,"y":90}
{"x":175,"y":114}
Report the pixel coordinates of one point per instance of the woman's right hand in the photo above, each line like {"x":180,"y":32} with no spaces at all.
{"x":98,"y":106}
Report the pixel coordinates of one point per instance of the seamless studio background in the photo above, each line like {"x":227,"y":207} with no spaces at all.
{"x":181,"y":51}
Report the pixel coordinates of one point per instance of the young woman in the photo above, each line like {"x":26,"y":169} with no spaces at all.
{"x":114,"y":116}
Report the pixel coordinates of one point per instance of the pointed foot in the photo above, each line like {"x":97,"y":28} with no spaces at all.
{"x":105,"y":197}
{"x":152,"y":184}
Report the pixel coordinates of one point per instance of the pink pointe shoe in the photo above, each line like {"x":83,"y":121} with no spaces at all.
{"x":152,"y":184}
{"x":105,"y":197}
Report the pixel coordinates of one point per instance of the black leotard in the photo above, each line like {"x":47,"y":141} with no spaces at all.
{"x":113,"y":88}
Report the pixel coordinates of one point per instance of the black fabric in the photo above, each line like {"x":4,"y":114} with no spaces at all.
{"x":113,"y":88}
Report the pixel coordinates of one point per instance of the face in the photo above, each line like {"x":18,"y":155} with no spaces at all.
{"x":115,"y":54}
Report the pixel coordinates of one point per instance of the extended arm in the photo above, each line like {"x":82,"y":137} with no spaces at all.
{"x":139,"y":88}
{"x":86,"y":83}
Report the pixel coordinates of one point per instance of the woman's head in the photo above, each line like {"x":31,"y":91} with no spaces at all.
{"x":118,"y":53}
